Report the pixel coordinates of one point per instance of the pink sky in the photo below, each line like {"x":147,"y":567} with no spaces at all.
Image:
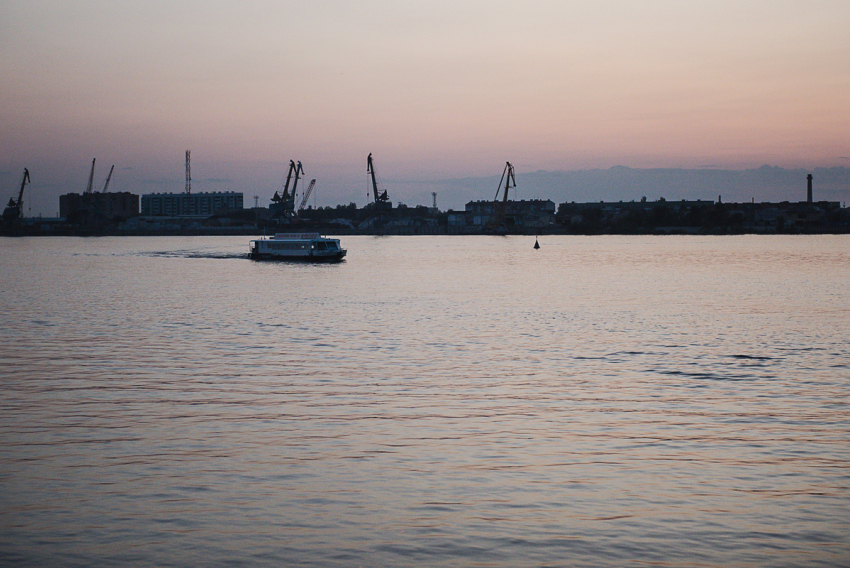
{"x":434,"y":89}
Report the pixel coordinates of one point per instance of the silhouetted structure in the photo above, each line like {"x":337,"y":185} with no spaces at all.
{"x":382,"y":200}
{"x":699,"y":216}
{"x":98,"y":208}
{"x":498,"y":220}
{"x":15,"y":209}
{"x":190,"y":204}
{"x":188,"y":172}
{"x":809,"y":193}
{"x":283,"y":206}
{"x":513,"y":215}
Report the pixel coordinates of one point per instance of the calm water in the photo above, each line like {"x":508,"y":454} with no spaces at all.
{"x":432,"y":401}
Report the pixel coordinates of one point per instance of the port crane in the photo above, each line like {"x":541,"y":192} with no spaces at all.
{"x":500,"y":207}
{"x":14,"y":210}
{"x":285,"y":196}
{"x":91,"y":176}
{"x":298,"y":171}
{"x":285,"y":204}
{"x":307,"y":195}
{"x":381,"y":198}
{"x":109,"y":177}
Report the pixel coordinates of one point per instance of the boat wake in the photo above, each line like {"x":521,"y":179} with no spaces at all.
{"x":194,"y":254}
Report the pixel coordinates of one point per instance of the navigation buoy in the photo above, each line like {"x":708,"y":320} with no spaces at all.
{"x":536,"y":244}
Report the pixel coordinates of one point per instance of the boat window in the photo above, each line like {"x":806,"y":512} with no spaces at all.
{"x":322,"y":246}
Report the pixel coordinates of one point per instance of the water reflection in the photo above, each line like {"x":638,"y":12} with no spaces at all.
{"x":433,"y":401}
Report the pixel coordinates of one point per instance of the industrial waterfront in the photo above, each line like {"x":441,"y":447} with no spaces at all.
{"x":430,"y":401}
{"x":99,"y":213}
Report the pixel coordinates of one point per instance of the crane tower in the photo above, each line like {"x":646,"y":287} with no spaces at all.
{"x":91,"y":176}
{"x":497,"y":220}
{"x":382,"y":200}
{"x":14,"y":211}
{"x":109,"y":177}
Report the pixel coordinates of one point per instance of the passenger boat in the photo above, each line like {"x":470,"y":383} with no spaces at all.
{"x":310,"y":247}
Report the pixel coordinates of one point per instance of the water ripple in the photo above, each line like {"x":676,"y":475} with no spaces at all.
{"x":433,"y":401}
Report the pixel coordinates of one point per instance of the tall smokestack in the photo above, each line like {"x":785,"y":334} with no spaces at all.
{"x":809,"y":193}
{"x":188,"y":173}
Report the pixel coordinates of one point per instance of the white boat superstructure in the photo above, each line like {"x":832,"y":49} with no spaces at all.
{"x":311,"y":247}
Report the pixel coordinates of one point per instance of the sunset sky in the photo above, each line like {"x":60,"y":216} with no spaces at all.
{"x":435,"y":90}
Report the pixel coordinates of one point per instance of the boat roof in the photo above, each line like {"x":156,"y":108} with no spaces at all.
{"x":297,"y":236}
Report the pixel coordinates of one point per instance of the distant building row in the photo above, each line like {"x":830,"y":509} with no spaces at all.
{"x":191,"y":204}
{"x":95,"y":207}
{"x":530,"y":214}
{"x":678,"y":215}
{"x":123,"y":205}
{"x":643,"y":215}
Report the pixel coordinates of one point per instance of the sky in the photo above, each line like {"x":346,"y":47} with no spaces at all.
{"x":435,"y":90}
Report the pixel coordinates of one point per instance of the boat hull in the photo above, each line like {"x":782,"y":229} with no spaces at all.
{"x":336,"y":257}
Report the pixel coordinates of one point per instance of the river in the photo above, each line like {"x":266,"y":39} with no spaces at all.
{"x":430,"y":401}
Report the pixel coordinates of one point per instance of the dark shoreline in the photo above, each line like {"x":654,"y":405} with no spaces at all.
{"x":419,"y":231}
